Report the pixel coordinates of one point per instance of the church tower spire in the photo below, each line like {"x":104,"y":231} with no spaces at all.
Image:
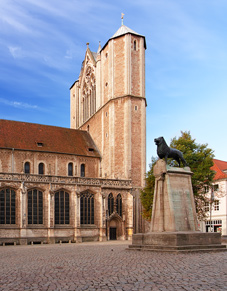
{"x":122,"y":18}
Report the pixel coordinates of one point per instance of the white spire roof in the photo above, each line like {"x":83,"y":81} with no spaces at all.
{"x":124,"y":30}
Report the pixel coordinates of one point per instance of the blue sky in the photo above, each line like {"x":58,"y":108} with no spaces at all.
{"x":43,"y":43}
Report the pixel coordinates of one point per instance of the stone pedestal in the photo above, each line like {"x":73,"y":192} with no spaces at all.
{"x":174,"y":224}
{"x":174,"y":207}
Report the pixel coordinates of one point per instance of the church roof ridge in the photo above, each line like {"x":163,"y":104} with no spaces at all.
{"x":27,"y":136}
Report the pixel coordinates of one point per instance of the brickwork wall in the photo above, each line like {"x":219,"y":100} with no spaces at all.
{"x":135,"y":66}
{"x":105,"y":75}
{"x":54,"y":164}
{"x":119,"y":136}
{"x":136,"y":136}
{"x":119,"y":68}
{"x":119,"y":126}
{"x":73,"y":107}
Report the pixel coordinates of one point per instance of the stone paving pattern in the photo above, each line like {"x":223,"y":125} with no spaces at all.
{"x":108,"y":266}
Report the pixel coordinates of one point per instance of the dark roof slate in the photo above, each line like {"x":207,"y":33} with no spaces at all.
{"x":45,"y":138}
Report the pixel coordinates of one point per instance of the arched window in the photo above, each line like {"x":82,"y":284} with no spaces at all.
{"x":134,"y":45}
{"x":41,"y":168}
{"x":27,"y":168}
{"x":7,"y":206}
{"x":87,"y":208}
{"x":110,"y":203}
{"x":82,"y":170}
{"x":61,"y":207}
{"x":119,"y":204}
{"x":70,"y":169}
{"x":35,"y":207}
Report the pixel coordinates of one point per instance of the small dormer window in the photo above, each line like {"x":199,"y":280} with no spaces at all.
{"x":39,"y":144}
{"x":91,"y":150}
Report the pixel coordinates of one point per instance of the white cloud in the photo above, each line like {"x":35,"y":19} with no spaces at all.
{"x":20,"y":105}
{"x":15,"y":51}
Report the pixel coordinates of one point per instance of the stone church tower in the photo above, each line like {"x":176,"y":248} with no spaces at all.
{"x":108,"y":100}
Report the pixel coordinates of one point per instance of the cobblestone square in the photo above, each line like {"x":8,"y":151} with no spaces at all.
{"x":108,"y":266}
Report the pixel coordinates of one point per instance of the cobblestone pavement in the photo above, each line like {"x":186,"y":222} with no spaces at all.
{"x":108,"y":266}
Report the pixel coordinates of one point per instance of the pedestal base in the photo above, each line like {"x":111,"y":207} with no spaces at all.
{"x":177,"y":242}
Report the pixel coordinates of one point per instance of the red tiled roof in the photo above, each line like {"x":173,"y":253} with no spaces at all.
{"x":219,"y":167}
{"x":27,"y":136}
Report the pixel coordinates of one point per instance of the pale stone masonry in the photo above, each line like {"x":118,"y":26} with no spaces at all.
{"x":118,"y":125}
{"x":83,"y":183}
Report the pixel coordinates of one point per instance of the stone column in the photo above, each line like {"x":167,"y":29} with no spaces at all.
{"x":103,"y":219}
{"x":51,"y":217}
{"x":74,"y":214}
{"x":77,"y":235}
{"x":23,"y":223}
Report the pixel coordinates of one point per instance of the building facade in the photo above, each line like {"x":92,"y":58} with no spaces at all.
{"x":108,"y":100}
{"x":83,"y":183}
{"x":216,"y":207}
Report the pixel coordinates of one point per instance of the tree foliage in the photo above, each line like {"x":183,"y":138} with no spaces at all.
{"x":199,"y":158}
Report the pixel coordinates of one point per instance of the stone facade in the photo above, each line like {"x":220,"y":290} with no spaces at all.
{"x":55,"y":181}
{"x":83,"y":183}
{"x":109,"y":101}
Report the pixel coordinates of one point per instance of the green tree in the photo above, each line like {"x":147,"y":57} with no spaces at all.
{"x":199,"y":158}
{"x":147,"y":194}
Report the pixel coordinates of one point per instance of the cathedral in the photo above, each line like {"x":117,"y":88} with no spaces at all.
{"x":81,"y":183}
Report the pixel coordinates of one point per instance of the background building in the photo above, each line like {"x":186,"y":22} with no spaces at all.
{"x":83,"y":183}
{"x":217,"y":211}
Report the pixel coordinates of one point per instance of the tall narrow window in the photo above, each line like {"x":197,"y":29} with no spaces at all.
{"x":35,"y":207}
{"x":134,"y":45}
{"x":41,"y":168}
{"x":110,"y":203}
{"x":119,"y":204}
{"x":87,"y":208}
{"x":70,"y":169}
{"x":82,"y":170}
{"x":7,"y":206}
{"x":61,"y":200}
{"x":27,"y":168}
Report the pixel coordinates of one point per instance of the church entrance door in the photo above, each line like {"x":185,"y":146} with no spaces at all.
{"x":113,"y":233}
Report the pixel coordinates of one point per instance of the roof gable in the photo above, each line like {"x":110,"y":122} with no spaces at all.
{"x":219,"y":167}
{"x":45,"y":138}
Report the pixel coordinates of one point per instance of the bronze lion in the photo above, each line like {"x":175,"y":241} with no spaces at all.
{"x":164,"y":151}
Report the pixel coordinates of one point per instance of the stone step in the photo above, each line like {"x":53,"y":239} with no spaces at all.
{"x":187,"y":248}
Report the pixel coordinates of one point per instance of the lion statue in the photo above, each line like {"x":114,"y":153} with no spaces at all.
{"x":164,"y":151}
